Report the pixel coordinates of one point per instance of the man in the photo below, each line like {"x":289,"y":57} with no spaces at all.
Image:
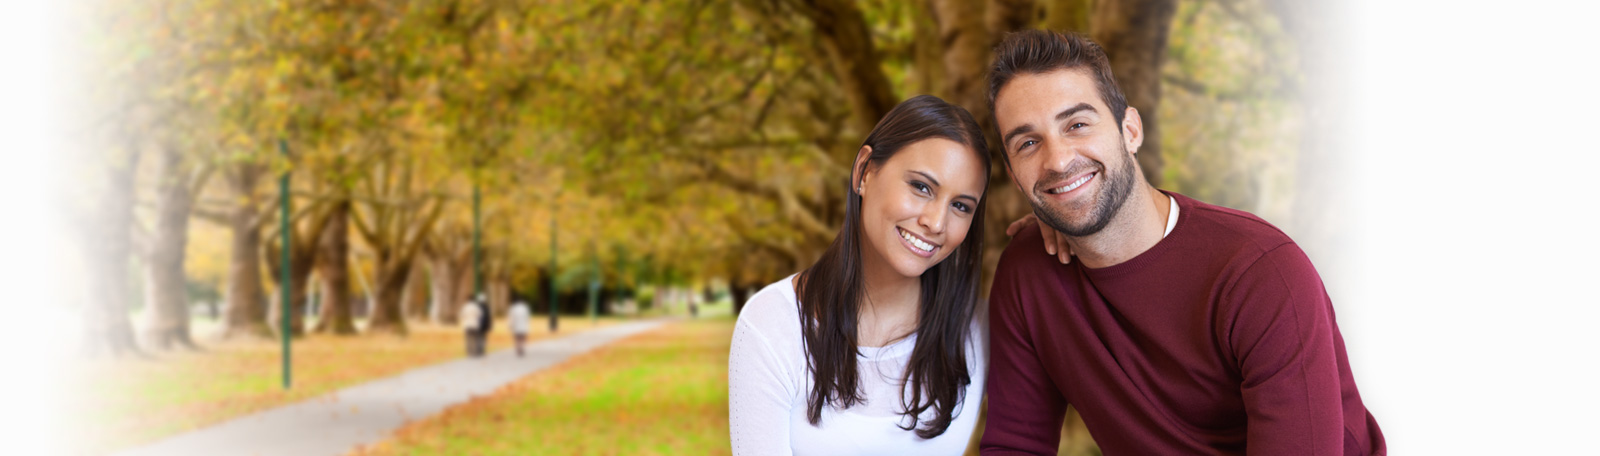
{"x":1182,"y":327}
{"x":485,"y":323}
{"x":470,"y":317}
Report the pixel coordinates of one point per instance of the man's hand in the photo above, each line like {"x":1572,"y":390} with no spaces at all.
{"x":1054,"y":243}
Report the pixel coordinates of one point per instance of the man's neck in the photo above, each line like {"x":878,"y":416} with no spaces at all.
{"x":1135,"y":228}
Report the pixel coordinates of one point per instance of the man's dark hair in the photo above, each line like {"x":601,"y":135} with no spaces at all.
{"x":1044,"y":51}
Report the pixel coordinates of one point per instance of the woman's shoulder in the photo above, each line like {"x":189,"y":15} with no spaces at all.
{"x":774,"y":311}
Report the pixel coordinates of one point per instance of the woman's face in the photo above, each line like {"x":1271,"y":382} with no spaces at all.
{"x":917,"y":207}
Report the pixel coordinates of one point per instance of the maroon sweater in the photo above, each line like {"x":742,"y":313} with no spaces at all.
{"x":1220,"y":339}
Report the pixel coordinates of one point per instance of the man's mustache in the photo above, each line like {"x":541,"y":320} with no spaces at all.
{"x":1052,"y":179}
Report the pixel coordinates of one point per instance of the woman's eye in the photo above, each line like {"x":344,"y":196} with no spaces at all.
{"x":963,"y":207}
{"x":921,"y":187}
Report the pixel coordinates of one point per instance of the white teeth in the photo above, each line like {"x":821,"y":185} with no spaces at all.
{"x":926,"y":247}
{"x":1071,"y":186}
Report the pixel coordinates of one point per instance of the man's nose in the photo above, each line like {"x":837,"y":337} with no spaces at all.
{"x":1059,"y":154}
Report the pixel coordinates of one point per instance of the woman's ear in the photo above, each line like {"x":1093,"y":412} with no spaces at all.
{"x":859,"y":173}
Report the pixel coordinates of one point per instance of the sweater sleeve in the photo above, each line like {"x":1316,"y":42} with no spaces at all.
{"x":1025,"y":410}
{"x":1282,"y":338}
{"x":760,"y":393}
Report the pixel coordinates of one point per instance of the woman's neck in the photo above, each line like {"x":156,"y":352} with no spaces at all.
{"x":889,"y":310}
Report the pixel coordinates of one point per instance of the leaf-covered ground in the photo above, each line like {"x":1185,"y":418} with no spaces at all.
{"x":661,"y":392}
{"x":127,"y":402}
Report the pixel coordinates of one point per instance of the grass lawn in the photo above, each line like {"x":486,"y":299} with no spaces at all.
{"x":661,"y":392}
{"x":133,"y":401}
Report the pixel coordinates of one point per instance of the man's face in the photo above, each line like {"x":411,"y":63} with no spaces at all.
{"x":1068,"y":154}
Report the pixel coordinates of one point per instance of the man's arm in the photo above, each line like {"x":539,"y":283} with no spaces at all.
{"x":1025,"y":409}
{"x":1282,"y":340}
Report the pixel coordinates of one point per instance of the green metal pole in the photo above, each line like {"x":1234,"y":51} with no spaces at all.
{"x":553,"y":270}
{"x":477,"y":242}
{"x":594,"y":283}
{"x":287,"y":282}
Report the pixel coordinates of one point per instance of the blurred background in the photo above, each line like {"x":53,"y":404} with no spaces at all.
{"x":608,"y":162}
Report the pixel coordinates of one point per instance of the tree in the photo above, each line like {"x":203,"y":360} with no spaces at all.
{"x":1134,"y":35}
{"x":304,"y":243}
{"x":394,"y":218}
{"x":179,"y":181}
{"x":333,"y":267}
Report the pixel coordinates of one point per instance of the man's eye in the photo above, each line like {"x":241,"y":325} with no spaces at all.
{"x":1077,"y":126}
{"x":1026,"y":143}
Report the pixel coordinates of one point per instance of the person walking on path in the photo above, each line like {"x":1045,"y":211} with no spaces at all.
{"x":470,"y":317}
{"x":485,"y":324}
{"x":518,"y":317}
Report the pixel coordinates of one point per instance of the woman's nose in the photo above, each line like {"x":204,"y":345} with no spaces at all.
{"x":932,"y":218}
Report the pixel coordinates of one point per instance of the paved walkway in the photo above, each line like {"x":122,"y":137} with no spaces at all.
{"x":363,"y":414}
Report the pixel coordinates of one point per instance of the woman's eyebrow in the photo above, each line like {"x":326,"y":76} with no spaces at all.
{"x":935,"y":182}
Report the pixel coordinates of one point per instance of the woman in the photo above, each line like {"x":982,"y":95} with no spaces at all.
{"x":874,"y":349}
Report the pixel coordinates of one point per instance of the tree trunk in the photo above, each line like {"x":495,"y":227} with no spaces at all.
{"x":1069,"y":16}
{"x":855,"y":60}
{"x":499,"y":294}
{"x":970,"y":30}
{"x":302,"y":256}
{"x":1134,"y":35}
{"x":386,"y":315}
{"x":303,"y":249}
{"x":739,"y":292}
{"x":928,"y":53}
{"x":333,"y":266}
{"x":167,"y":290}
{"x":451,"y":275}
{"x":107,"y":328}
{"x":415,"y":301}
{"x":1317,"y":209}
{"x":967,"y":51}
{"x":247,"y":313}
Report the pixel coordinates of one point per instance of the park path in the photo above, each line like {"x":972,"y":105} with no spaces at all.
{"x":336,"y":423}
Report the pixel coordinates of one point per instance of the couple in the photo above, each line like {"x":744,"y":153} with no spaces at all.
{"x":1181,"y":328}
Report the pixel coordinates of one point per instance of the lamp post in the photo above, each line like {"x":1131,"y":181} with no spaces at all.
{"x":286,"y":281}
{"x":477,"y":239}
{"x":554,"y":209}
{"x":594,"y":283}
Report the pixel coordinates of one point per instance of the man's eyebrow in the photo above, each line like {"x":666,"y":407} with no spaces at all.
{"x":1025,"y":129}
{"x":1022,"y":130}
{"x":1074,"y":110}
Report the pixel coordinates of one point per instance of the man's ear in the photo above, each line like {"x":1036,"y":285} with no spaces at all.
{"x":859,"y":172}
{"x":1132,"y":130}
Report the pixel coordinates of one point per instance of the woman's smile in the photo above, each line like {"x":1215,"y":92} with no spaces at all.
{"x":917,"y":244}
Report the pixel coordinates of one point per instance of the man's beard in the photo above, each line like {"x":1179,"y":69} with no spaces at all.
{"x":1112,"y":194}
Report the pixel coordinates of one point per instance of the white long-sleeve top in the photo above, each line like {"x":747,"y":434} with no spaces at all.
{"x":469,"y":315}
{"x":518,"y":317}
{"x":768,"y":385}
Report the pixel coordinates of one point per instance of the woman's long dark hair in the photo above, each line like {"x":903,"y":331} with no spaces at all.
{"x":832,"y":290}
